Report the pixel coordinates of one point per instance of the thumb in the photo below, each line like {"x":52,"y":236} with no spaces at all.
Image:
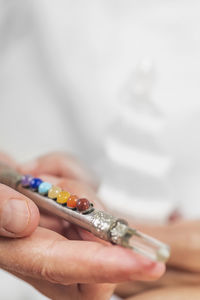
{"x":19,"y":216}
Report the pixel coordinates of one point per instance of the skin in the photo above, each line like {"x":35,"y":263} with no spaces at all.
{"x":175,"y":293}
{"x":172,"y":278}
{"x":59,"y":259}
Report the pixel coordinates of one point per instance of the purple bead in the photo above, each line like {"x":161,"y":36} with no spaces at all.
{"x":35,"y":182}
{"x":26,"y":179}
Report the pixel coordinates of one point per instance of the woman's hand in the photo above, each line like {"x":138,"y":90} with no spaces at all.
{"x":60,"y":264}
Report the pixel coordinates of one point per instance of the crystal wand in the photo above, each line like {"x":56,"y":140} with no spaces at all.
{"x":81,"y":212}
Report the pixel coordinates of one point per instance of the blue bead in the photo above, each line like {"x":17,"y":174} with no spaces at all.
{"x":44,"y":187}
{"x":35,"y":182}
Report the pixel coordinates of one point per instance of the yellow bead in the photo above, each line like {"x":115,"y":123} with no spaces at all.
{"x":63,"y":197}
{"x":54,"y":191}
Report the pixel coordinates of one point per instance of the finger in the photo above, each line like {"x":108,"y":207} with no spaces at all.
{"x":19,"y":216}
{"x":60,"y":226}
{"x":51,"y":222}
{"x":96,"y":291}
{"x":69,"y":292}
{"x":171,"y":278}
{"x":175,"y":293}
{"x":5,"y":158}
{"x":61,"y":165}
{"x":47,"y":255}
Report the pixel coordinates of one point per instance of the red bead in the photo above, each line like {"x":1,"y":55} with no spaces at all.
{"x":82,"y":204}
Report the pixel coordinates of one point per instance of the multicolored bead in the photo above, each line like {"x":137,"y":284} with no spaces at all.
{"x":82,"y":204}
{"x":35,"y":182}
{"x":44,"y":187}
{"x":26,"y":179}
{"x":54,"y":191}
{"x":71,"y":202}
{"x":63,"y":197}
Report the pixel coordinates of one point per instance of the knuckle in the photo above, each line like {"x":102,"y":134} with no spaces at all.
{"x":53,"y":154}
{"x":47,"y":267}
{"x":48,"y":274}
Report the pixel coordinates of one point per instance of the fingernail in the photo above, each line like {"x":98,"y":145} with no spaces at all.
{"x":157,"y":270}
{"x":29,"y":166}
{"x":146,"y":262}
{"x":15,"y":216}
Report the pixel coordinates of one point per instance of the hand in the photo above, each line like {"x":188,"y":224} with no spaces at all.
{"x":62,"y":265}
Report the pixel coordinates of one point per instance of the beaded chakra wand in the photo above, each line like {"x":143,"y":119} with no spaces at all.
{"x":81,"y":212}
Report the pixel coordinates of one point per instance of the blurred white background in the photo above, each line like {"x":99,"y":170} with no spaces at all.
{"x":68,"y":70}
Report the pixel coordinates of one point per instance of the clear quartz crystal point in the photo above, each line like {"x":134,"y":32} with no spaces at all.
{"x":149,"y":247}
{"x":139,"y":242}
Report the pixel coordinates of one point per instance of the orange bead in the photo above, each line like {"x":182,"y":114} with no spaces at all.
{"x":63,"y":197}
{"x":71,"y":202}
